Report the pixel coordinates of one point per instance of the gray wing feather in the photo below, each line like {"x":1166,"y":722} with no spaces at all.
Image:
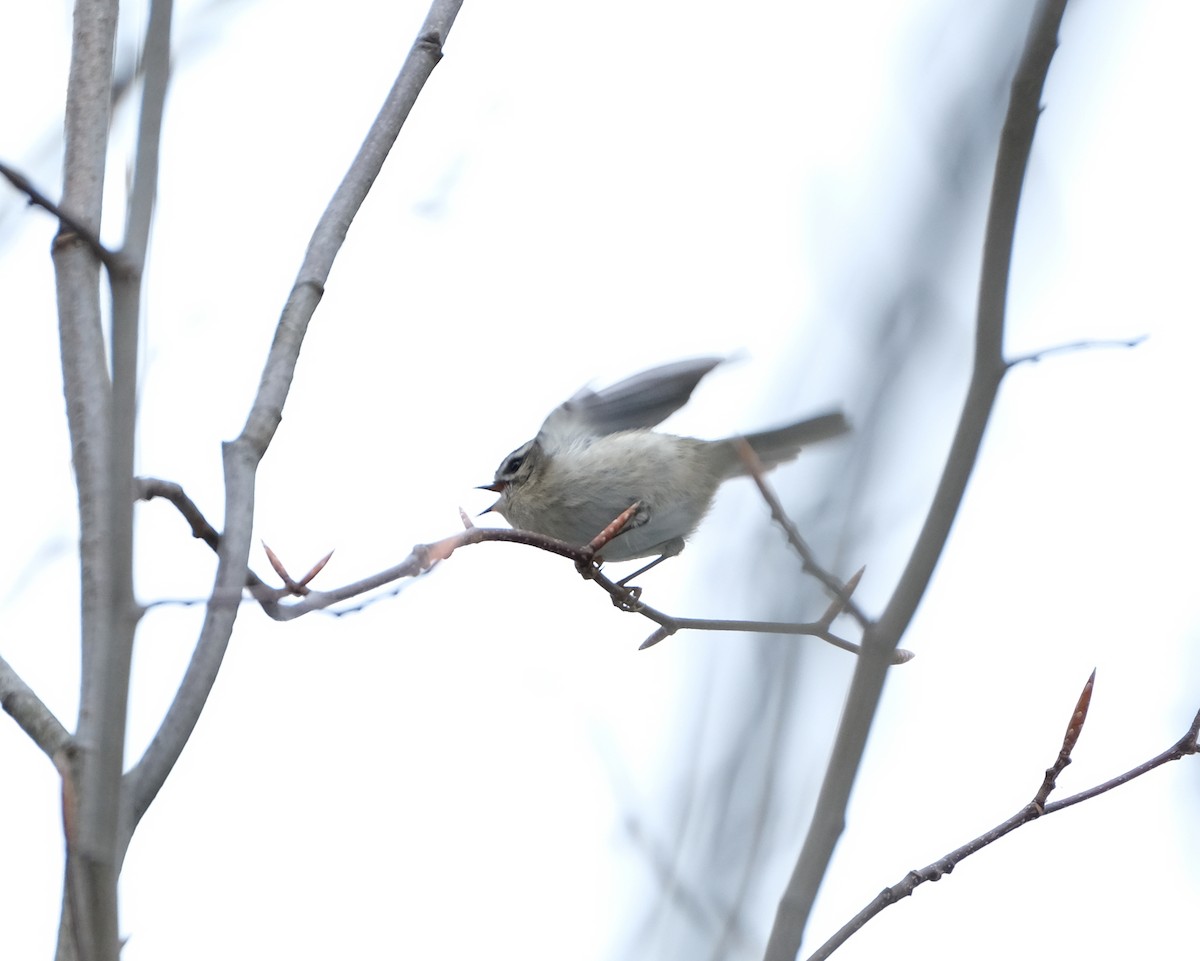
{"x":643,"y":400}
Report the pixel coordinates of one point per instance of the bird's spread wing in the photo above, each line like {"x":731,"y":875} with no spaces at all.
{"x":643,"y":400}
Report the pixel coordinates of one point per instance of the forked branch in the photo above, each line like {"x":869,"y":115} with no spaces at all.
{"x":1035,"y":809}
{"x":423,"y":557}
{"x":112,"y":260}
{"x":242,"y":456}
{"x":30,"y":712}
{"x":881,"y":638}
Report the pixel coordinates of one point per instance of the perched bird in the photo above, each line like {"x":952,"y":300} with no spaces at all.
{"x":596,"y":455}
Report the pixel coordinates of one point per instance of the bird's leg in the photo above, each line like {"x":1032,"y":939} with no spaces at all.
{"x":669,"y":549}
{"x":636,"y":591}
{"x":632,"y":517}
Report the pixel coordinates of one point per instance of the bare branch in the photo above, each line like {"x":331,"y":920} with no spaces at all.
{"x":810,"y":565}
{"x":103,"y":811}
{"x":1182,"y":748}
{"x":156,"y":71}
{"x":30,"y":713}
{"x":148,"y":488}
{"x":111,"y":679}
{"x":1030,"y":812}
{"x":331,"y":231}
{"x":425,"y":556}
{"x":92,"y":860}
{"x":242,"y":456}
{"x":76,"y":226}
{"x":1074,"y":345}
{"x":630,"y":601}
{"x":882,"y":637}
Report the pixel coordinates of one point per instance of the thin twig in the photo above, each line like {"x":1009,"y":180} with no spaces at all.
{"x":1182,"y":748}
{"x":30,"y":712}
{"x":112,"y":260}
{"x":1035,"y":809}
{"x":1037,"y":355}
{"x":156,"y":74}
{"x":669,"y":624}
{"x":809,"y":562}
{"x":148,"y":488}
{"x":242,"y":456}
{"x":423,"y":557}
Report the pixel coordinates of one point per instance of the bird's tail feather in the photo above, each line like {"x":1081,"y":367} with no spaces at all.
{"x":774,"y":447}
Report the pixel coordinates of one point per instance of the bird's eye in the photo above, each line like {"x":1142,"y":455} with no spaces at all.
{"x":513,"y":465}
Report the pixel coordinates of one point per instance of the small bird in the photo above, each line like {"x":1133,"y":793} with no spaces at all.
{"x":595,"y":456}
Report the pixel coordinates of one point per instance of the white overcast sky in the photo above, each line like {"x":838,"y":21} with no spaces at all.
{"x":581,"y":192}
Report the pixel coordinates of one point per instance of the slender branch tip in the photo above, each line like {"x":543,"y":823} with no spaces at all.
{"x":1037,"y":356}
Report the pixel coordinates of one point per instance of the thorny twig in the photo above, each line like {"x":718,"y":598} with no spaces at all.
{"x":808,"y":559}
{"x":425,"y":556}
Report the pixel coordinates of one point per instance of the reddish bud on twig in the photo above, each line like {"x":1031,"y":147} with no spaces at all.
{"x":316,"y":569}
{"x":277,"y":564}
{"x":1075,"y":725}
{"x":297,"y":588}
{"x":615,"y":528}
{"x":1074,"y":729}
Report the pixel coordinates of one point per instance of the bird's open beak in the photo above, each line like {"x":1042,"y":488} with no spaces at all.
{"x":496,"y":487}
